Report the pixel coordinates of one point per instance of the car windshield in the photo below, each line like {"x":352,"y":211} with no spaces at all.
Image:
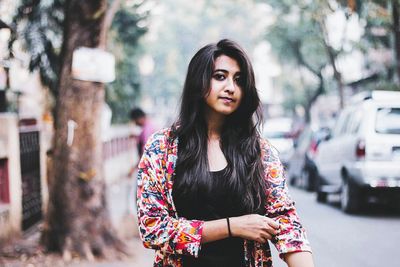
{"x":388,"y":121}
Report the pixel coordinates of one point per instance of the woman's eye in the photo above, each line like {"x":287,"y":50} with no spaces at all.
{"x":238,"y":80}
{"x":219,"y":77}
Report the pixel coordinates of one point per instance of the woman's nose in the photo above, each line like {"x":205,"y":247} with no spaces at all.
{"x":230,"y":86}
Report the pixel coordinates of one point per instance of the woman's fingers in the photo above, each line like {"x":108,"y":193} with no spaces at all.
{"x":271,"y":231}
{"x":272,"y":223}
{"x":271,"y":226}
{"x":255,"y":227}
{"x":266,"y":235}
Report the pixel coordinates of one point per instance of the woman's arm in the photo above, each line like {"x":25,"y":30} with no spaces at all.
{"x":251,"y":227}
{"x":299,"y":259}
{"x":280,"y":207}
{"x":158,"y":226}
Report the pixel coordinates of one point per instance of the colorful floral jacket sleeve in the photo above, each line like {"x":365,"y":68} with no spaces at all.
{"x":280,"y":206}
{"x":159,"y":226}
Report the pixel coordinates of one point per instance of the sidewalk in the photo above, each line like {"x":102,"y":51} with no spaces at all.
{"x":121,"y":202}
{"x":141,"y":258}
{"x":122,"y":206}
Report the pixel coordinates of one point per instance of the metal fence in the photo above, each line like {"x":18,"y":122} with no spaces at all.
{"x":30,"y":175}
{"x":118,"y":145}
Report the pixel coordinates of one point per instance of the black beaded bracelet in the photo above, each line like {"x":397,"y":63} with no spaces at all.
{"x":229,"y":227}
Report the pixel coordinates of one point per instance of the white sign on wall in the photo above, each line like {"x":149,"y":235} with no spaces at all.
{"x":93,"y":65}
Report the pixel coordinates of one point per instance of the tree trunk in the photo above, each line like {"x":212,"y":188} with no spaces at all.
{"x":77,"y":219}
{"x":396,"y":31}
{"x":336,"y":73}
{"x":310,"y":100}
{"x":296,"y":46}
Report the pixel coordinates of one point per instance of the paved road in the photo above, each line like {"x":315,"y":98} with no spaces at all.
{"x":369,"y":239}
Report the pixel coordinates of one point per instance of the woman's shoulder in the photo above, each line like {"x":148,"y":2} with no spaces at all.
{"x":160,"y":139}
{"x":267,"y":149}
{"x":265,"y":144}
{"x":161,"y":134}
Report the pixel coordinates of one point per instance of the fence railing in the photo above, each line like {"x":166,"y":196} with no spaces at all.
{"x":118,"y":145}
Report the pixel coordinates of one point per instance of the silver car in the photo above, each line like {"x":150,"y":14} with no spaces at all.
{"x":361,"y":158}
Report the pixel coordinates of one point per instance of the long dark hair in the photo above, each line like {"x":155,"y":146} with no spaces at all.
{"x":239,"y":137}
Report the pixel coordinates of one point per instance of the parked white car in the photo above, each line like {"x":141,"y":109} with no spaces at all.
{"x":361,"y":158}
{"x":279,"y":132}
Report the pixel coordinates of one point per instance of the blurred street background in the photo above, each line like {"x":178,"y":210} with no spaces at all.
{"x":327,"y":73}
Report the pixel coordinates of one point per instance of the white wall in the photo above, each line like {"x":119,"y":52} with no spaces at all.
{"x":11,"y":214}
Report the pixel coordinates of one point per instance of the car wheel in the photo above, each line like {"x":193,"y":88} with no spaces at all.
{"x":301,"y":182}
{"x":292,"y":180}
{"x":322,"y":197}
{"x":349,"y":197}
{"x":306,"y":178}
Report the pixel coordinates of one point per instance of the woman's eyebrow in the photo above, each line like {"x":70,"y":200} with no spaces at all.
{"x":221,"y":70}
{"x":226,"y":71}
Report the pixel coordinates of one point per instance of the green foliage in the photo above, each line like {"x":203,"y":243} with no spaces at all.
{"x":39,"y":25}
{"x":382,"y":84}
{"x":298,"y":39}
{"x":379,"y":37}
{"x":126,"y":23}
{"x":127,"y":28}
{"x":294,"y":96}
{"x":378,"y":24}
{"x":299,"y":36}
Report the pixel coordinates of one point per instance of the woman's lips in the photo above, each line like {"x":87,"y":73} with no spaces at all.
{"x":227,"y":99}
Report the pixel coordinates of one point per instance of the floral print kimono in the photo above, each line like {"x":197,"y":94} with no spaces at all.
{"x":171,"y":236}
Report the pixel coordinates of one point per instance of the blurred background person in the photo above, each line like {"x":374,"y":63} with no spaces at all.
{"x":140,"y":118}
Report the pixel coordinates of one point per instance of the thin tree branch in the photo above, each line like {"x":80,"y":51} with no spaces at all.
{"x":300,"y":58}
{"x":332,"y":58}
{"x":108,"y":21}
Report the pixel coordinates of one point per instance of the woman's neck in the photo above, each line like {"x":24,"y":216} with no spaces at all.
{"x":215,"y":122}
{"x":214,"y":131}
{"x":216,"y":158}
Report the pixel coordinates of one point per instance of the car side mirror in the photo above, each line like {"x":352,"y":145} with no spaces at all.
{"x":328,"y":135}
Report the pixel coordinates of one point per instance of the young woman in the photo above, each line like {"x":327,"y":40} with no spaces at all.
{"x":211,"y":192}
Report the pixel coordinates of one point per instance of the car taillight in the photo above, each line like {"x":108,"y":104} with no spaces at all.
{"x":313,"y":147}
{"x":360,"y":149}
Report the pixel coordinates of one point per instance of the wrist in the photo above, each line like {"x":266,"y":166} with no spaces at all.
{"x":228,"y":226}
{"x":235,"y":229}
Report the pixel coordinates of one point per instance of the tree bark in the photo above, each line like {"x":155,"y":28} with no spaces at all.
{"x":77,"y":219}
{"x":311,"y":99}
{"x":108,"y":19}
{"x":396,"y":31}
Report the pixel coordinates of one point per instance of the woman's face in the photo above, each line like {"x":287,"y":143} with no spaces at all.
{"x":225,"y":93}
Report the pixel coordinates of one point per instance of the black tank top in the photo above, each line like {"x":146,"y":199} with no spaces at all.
{"x":216,"y":204}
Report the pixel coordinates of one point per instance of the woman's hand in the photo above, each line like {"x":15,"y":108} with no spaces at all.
{"x":254,"y":227}
{"x":251,"y":227}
